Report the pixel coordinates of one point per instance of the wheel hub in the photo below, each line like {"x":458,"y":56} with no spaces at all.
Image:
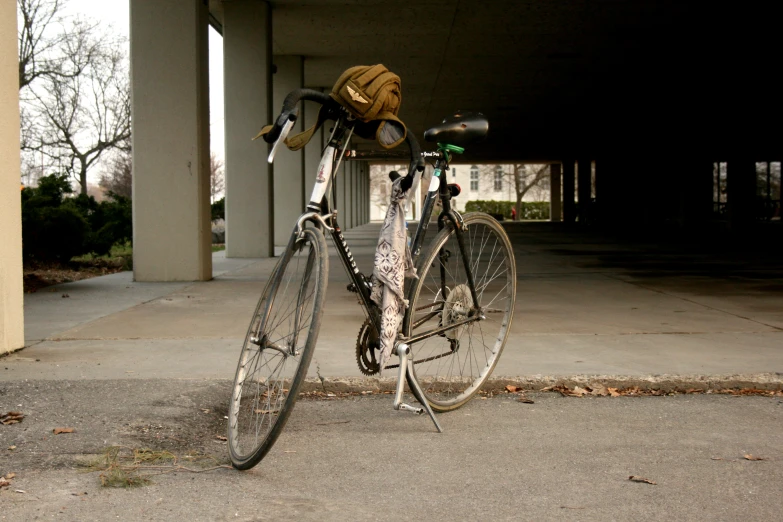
{"x":457,"y":308}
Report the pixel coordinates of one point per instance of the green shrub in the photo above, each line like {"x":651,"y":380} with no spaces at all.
{"x":530,"y":209}
{"x":57,"y":227}
{"x":219,"y":209}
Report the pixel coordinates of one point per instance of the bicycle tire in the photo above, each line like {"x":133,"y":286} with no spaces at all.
{"x":258,"y":410}
{"x":449,"y":377}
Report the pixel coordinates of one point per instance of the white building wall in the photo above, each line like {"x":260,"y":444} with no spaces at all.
{"x":459,"y":174}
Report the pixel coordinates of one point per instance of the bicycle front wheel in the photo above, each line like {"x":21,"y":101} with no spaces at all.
{"x":277,"y":349}
{"x":451,"y":367}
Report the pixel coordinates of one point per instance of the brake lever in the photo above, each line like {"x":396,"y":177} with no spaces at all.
{"x":281,"y":139}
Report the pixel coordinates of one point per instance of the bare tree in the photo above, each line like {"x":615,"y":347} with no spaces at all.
{"x":118,"y":177}
{"x":521,"y":178}
{"x":217,"y":176}
{"x":380,"y":184}
{"x":74,"y":89}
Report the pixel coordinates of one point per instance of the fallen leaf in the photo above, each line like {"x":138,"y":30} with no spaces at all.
{"x":642,"y":479}
{"x":20,"y":491}
{"x":12,"y":417}
{"x":11,"y":448}
{"x":513,"y":389}
{"x":525,"y":400}
{"x":205,"y":410}
{"x":289,"y":451}
{"x":613,"y":392}
{"x":10,"y":476}
{"x":58,"y":431}
{"x":717,"y":458}
{"x":578,"y":392}
{"x":264,"y":412}
{"x":220,"y":437}
{"x":4,"y":483}
{"x":599,"y":390}
{"x":79,"y":494}
{"x":748,"y":456}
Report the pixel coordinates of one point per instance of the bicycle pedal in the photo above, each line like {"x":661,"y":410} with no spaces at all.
{"x":408,"y":407}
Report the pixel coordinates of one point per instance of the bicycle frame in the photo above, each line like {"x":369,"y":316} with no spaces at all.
{"x":320,"y":211}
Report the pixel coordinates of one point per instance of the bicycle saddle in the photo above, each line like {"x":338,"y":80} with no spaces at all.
{"x":461,"y":128}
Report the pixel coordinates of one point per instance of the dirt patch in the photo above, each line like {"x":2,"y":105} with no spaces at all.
{"x":41,"y":275}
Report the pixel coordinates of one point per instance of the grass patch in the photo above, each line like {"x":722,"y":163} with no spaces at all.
{"x":120,"y":255}
{"x":124,"y":467}
{"x":218,"y":247}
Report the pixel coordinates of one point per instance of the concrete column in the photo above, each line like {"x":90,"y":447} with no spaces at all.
{"x":569,"y":187}
{"x":584,"y":189}
{"x":555,"y":207}
{"x":741,"y":192}
{"x":365,"y":197}
{"x":289,"y":166}
{"x":339,"y":179}
{"x":170,"y":114}
{"x":352,"y":176}
{"x":312,"y":152}
{"x":695,"y":197}
{"x":247,"y":80}
{"x":11,"y":295}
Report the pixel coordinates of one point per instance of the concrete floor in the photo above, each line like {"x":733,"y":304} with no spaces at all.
{"x":587,"y":305}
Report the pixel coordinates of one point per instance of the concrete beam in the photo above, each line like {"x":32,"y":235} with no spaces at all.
{"x":289,"y":165}
{"x":170,"y":114}
{"x":555,"y":204}
{"x":11,"y":294}
{"x":247,"y":79}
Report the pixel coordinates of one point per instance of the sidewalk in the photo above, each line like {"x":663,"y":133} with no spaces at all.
{"x":586,"y":306}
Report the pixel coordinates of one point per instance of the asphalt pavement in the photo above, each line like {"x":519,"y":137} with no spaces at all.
{"x":148,"y":365}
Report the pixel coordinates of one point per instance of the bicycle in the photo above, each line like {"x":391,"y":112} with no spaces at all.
{"x":466,"y":284}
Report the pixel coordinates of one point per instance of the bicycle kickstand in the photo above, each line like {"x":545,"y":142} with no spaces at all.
{"x":406,"y":368}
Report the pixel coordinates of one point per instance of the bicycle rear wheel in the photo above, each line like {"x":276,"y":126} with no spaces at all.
{"x":451,"y":367}
{"x":277,"y":350}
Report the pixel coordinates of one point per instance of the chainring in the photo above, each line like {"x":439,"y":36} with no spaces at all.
{"x":367,"y":349}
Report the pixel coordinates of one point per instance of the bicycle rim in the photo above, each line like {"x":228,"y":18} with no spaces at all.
{"x":451,"y":367}
{"x":277,"y":350}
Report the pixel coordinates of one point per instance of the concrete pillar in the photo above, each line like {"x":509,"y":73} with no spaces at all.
{"x":695,"y":196}
{"x":555,"y":207}
{"x":170,"y":115}
{"x":312,"y":152}
{"x":247,"y":80}
{"x":11,"y":295}
{"x":289,"y":165}
{"x":352,"y":177}
{"x":569,"y":187}
{"x":741,"y":192}
{"x":339,"y":179}
{"x":364,"y":192}
{"x":584,"y":189}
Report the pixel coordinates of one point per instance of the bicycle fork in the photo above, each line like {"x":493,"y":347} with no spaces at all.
{"x":406,"y":369}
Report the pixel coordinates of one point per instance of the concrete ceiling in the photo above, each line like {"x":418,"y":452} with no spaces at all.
{"x":560,"y":79}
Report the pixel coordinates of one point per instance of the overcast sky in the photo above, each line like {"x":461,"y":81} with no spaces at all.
{"x":116,"y":13}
